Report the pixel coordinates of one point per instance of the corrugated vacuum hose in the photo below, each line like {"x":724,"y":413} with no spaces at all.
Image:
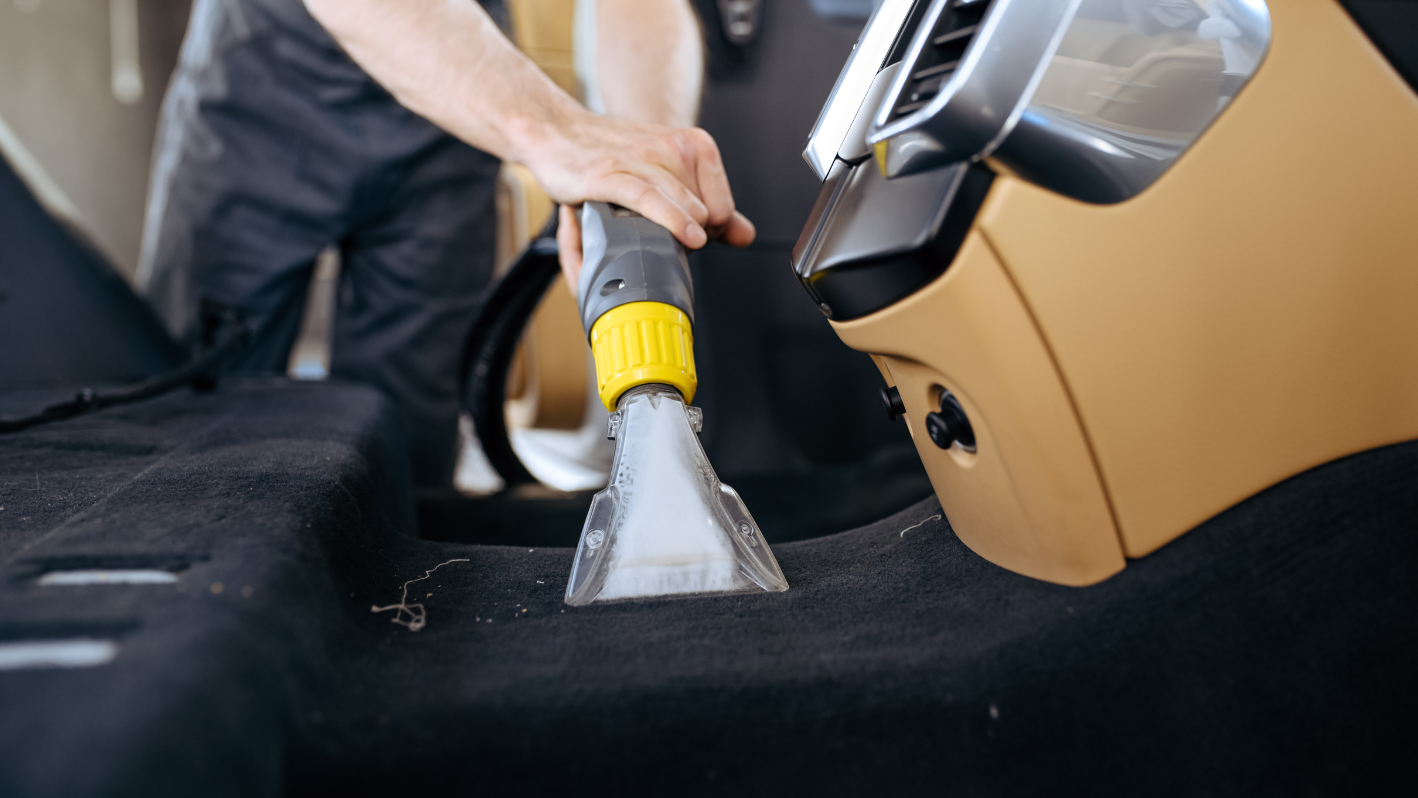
{"x":492,"y":343}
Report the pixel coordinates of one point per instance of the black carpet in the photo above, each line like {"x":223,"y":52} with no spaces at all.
{"x":1271,"y":651}
{"x":787,"y":506}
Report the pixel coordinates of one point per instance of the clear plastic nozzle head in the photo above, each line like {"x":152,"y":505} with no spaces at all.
{"x":666,"y":525}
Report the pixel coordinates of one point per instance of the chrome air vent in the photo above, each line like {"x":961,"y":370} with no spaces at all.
{"x":1094,"y":99}
{"x":972,"y":64}
{"x":933,"y":67}
{"x":835,"y":129}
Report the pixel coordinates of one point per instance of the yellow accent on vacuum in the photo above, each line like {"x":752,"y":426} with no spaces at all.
{"x":643,"y":343}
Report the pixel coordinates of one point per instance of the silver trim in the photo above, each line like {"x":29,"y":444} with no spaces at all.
{"x":986,"y":94}
{"x":869,"y":217}
{"x":829,"y":133}
{"x":1103,"y":131}
{"x":854,"y":145}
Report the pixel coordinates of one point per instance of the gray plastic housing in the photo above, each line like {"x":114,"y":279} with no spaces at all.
{"x":628,"y":258}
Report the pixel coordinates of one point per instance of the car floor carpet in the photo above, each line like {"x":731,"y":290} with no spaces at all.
{"x":1269,"y":651}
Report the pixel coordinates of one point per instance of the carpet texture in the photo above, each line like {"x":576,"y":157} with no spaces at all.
{"x":1269,"y":651}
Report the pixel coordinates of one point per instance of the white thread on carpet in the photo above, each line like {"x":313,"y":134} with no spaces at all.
{"x":935,"y":517}
{"x":417,"y":617}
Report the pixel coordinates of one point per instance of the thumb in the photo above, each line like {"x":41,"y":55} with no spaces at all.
{"x":568,"y":242}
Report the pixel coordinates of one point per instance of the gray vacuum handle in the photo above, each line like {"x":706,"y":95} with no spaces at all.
{"x":628,"y":258}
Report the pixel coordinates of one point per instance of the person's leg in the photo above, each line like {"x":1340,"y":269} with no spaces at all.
{"x":242,"y":195}
{"x":411,"y":287}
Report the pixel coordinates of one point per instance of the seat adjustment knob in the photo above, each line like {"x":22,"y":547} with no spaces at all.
{"x":950,"y":426}
{"x":891,"y":397}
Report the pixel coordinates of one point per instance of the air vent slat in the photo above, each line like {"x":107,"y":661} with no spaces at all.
{"x":948,"y":66}
{"x":928,"y":88}
{"x":950,"y":35}
{"x":955,"y":35}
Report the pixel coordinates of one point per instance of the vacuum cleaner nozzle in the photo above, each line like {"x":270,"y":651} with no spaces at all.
{"x":665,"y":525}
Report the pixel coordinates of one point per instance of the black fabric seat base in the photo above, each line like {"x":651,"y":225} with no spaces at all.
{"x":1270,"y":651}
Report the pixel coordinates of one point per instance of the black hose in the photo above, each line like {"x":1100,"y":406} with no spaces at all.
{"x":487,"y":355}
{"x":197,"y":371}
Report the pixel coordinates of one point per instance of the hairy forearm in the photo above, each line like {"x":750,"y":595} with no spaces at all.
{"x":447,"y":61}
{"x":649,"y":60}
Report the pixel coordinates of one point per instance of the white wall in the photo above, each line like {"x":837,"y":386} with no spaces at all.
{"x":57,"y":97}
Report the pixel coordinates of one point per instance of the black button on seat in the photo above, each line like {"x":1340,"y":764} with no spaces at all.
{"x":892,"y":399}
{"x":950,"y":425}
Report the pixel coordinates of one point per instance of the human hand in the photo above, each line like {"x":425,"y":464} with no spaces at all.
{"x":671,"y":176}
{"x":449,"y":63}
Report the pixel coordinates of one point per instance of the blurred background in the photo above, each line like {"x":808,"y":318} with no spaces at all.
{"x":792,"y":415}
{"x":81,"y":82}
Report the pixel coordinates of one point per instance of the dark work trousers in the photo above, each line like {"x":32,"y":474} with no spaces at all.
{"x":274,"y":144}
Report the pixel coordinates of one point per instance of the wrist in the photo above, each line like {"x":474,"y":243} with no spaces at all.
{"x":543,"y":134}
